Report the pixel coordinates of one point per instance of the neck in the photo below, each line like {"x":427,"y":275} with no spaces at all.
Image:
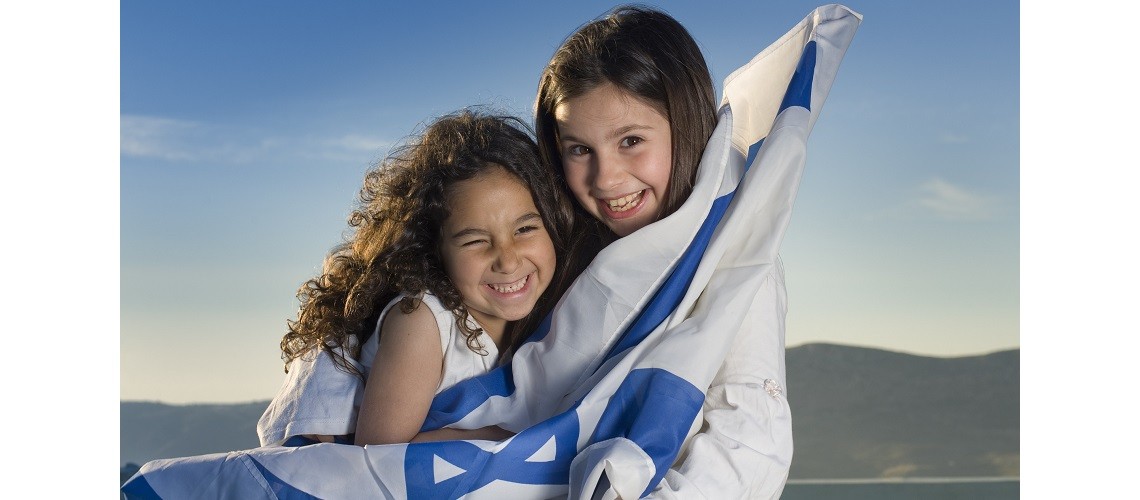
{"x":493,"y":327}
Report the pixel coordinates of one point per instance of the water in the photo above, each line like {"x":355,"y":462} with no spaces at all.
{"x":918,"y":489}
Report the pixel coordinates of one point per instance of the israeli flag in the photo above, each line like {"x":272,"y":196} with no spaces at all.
{"x":613,"y":382}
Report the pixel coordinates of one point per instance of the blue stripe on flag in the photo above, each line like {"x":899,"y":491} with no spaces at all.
{"x":799,"y":90}
{"x":665,"y":300}
{"x":515,"y":462}
{"x":282,"y":490}
{"x":299,"y":441}
{"x":137,"y":488}
{"x":457,"y":401}
{"x":647,"y":397}
{"x":752,"y":151}
{"x":542,"y":330}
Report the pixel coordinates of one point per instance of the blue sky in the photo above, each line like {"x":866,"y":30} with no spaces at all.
{"x":246,"y":127}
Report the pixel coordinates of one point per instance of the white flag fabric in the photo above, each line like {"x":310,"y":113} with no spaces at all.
{"x":614,"y":380}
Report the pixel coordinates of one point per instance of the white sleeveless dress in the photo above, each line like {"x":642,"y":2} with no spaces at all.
{"x":319,"y":398}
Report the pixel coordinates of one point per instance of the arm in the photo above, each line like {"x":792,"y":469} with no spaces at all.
{"x":403,"y":378}
{"x":403,"y":381}
{"x":489,"y":433}
{"x":744,"y":447}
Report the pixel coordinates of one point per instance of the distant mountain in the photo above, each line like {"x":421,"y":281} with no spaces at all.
{"x":150,"y":430}
{"x":862,"y":413}
{"x":857,"y":413}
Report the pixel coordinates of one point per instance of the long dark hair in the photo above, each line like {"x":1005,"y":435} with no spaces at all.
{"x":648,"y":54}
{"x":393,"y":246}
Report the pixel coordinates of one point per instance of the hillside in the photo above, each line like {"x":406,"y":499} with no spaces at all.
{"x":857,"y":413}
{"x":149,"y":430}
{"x":861,"y":413}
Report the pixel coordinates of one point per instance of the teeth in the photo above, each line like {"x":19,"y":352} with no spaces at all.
{"x":509,"y":287}
{"x":625,"y":202}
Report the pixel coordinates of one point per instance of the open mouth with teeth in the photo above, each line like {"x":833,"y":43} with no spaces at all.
{"x":619,"y":206}
{"x":508,"y":288}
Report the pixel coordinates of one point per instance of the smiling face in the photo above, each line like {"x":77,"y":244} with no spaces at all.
{"x":617,"y":156}
{"x":495,"y":248}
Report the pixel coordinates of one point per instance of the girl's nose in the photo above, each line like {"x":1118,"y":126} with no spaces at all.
{"x":608,"y":174}
{"x":507,"y":260}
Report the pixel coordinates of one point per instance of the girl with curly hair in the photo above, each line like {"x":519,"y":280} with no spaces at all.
{"x":451,"y":258}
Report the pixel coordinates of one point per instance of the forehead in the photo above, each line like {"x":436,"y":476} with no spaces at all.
{"x":606,"y":106}
{"x":490,"y":190}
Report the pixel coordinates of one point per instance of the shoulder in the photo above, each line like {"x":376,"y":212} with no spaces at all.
{"x":433,"y":304}
{"x":427,"y":325}
{"x":444,"y":318}
{"x":397,"y":323}
{"x":407,"y":337}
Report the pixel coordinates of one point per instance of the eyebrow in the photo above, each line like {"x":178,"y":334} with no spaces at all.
{"x":618,"y":132}
{"x":470,"y":231}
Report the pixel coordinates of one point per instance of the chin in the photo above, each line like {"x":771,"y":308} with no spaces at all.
{"x":620,"y":232}
{"x":626,"y":229}
{"x":519,"y":315}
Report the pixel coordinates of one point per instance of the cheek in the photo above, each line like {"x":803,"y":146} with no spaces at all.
{"x":546,"y":261}
{"x":454,"y":265}
{"x":576,"y":180}
{"x":575,"y":177}
{"x":540,"y":251}
{"x":551,"y":256}
{"x":662,"y":167}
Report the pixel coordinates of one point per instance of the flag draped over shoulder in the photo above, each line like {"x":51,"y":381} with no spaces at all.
{"x":615,"y":378}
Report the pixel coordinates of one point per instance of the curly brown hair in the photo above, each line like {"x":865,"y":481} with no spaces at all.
{"x":392,"y":247}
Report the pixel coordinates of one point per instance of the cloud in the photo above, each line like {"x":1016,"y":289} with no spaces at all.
{"x":150,"y":137}
{"x":939,"y":199}
{"x":354,"y":142}
{"x":188,"y":141}
{"x":952,"y":138}
{"x":947,"y":201}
